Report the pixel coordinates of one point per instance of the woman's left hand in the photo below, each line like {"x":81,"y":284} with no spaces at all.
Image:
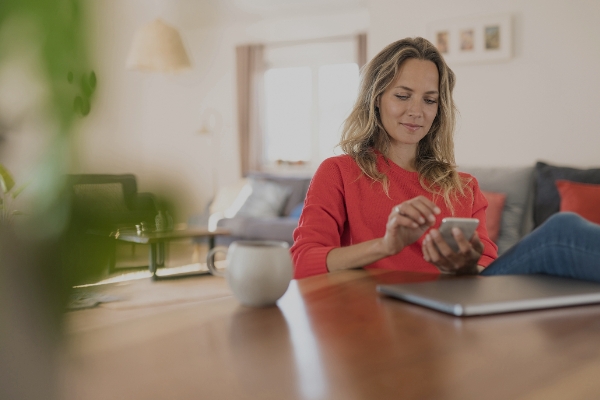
{"x":437,"y":252}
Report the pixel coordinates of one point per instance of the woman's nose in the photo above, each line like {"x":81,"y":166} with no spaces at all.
{"x":415,"y":109}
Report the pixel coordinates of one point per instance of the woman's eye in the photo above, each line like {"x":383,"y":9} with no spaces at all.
{"x":430,"y":101}
{"x":402,"y":97}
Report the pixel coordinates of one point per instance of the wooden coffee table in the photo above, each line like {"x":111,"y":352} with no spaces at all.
{"x":158,"y":240}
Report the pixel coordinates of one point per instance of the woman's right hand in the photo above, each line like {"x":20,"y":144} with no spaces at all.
{"x":407,"y":222}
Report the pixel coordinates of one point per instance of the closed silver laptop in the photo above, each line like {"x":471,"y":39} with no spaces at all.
{"x":478,"y":295}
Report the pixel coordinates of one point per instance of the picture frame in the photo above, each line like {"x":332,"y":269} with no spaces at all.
{"x":473,"y":39}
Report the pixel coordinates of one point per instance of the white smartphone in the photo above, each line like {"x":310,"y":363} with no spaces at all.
{"x":466,"y":225}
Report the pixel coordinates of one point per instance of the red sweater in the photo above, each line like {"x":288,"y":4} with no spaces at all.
{"x":344,"y":207}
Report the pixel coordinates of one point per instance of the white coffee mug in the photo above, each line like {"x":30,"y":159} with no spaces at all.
{"x":258,"y":272}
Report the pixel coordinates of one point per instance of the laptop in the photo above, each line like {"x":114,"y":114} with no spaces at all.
{"x":480,"y":295}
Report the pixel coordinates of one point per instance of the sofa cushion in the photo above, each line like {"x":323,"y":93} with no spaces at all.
{"x":493,"y":213}
{"x":580,"y":198}
{"x":248,"y":228}
{"x":516,"y":183}
{"x":225,"y":197}
{"x":297,"y":184}
{"x":266,"y":199}
{"x":297,"y":211}
{"x":547,"y":198}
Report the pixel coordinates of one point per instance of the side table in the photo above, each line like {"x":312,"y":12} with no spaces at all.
{"x":157,"y":240}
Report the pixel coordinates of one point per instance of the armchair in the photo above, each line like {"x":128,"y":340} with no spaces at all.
{"x":110,"y":201}
{"x":102,"y":203}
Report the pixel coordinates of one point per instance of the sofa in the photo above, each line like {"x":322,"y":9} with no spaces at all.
{"x":282,"y":197}
{"x":520,"y":199}
{"x":516,"y":184}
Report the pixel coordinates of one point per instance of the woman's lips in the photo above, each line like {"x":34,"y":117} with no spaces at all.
{"x":411,"y":127}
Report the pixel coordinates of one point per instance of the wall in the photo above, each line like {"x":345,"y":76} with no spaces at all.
{"x":148,"y":124}
{"x":540,"y":105}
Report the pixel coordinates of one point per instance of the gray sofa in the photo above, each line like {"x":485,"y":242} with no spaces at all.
{"x":532,"y":194}
{"x":517,"y":183}
{"x":279,"y":227}
{"x":531,"y":197}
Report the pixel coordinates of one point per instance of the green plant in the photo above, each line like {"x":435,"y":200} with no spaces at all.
{"x":52,"y":37}
{"x":85,"y":90}
{"x":49,"y":38}
{"x":8,"y":195}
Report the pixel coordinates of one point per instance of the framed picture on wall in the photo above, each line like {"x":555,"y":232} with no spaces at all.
{"x":473,"y":39}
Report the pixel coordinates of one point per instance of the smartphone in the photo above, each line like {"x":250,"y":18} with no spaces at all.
{"x":466,"y":225}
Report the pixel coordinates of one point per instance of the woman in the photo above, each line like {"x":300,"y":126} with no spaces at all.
{"x":373,"y":206}
{"x":565,"y":245}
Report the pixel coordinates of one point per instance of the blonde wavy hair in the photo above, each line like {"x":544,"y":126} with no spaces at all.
{"x":363,"y":131}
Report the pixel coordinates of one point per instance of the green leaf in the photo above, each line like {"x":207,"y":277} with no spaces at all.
{"x":70,"y":77}
{"x":93,"y":80}
{"x":78,"y":105}
{"x":85,"y":107}
{"x":18,"y":190}
{"x":85,"y":87}
{"x":6,"y":180}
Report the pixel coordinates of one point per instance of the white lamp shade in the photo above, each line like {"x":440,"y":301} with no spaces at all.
{"x":157,"y":47}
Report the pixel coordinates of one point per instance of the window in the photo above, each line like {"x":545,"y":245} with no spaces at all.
{"x":309,"y":90}
{"x":288,"y":107}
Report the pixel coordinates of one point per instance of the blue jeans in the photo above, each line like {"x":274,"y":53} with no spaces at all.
{"x":565,"y":245}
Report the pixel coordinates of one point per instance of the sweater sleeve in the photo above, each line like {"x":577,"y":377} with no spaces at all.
{"x":322,"y":221}
{"x":490,"y":250}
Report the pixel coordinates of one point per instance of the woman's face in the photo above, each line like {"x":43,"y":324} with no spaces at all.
{"x":410,"y":103}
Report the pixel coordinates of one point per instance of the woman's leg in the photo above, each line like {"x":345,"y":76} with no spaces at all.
{"x":565,"y":245}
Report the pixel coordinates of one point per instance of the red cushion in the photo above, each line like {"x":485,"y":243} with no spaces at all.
{"x":493,"y":214}
{"x":580,"y":198}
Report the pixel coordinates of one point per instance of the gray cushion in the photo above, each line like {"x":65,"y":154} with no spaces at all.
{"x":260,"y":228}
{"x":267,"y":199}
{"x":517,"y":184}
{"x":297,"y":184}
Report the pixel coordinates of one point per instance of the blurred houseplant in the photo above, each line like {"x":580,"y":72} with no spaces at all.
{"x":48,"y":42}
{"x":7,"y":196}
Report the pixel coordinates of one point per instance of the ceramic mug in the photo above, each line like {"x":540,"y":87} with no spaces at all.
{"x":258,"y":272}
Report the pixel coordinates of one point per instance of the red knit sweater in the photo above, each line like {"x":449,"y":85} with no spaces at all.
{"x":344,"y":207}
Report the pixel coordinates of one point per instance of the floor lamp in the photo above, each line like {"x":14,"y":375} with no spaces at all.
{"x":157,"y":47}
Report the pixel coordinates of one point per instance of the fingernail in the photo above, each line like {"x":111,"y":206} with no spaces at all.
{"x":455,"y":230}
{"x":437,"y":210}
{"x":421,"y":220}
{"x":432,"y":218}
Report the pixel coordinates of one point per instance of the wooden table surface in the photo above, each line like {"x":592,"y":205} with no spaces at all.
{"x":333,"y":337}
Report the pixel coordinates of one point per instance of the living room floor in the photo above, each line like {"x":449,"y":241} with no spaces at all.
{"x":131,"y":293}
{"x":132,"y":261}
